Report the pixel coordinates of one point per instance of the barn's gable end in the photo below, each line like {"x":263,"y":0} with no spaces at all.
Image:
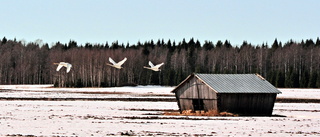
{"x":193,"y":93}
{"x":194,"y":88}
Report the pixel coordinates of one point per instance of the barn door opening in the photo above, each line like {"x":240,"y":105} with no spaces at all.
{"x":197,"y":104}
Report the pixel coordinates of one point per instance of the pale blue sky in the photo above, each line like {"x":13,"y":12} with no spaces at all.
{"x":98,"y":21}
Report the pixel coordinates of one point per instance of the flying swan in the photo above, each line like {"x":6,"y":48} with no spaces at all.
{"x":154,"y":67}
{"x":63,"y":64}
{"x":116,"y":65}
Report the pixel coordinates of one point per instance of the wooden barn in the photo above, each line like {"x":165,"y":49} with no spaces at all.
{"x":243,"y":94}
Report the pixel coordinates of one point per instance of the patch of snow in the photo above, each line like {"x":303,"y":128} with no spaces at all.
{"x":106,"y":118}
{"x":299,"y":93}
{"x":128,"y":89}
{"x":25,"y":86}
{"x":150,"y":90}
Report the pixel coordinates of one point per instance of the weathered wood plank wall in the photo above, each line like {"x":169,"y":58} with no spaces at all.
{"x":247,"y":104}
{"x":196,"y":89}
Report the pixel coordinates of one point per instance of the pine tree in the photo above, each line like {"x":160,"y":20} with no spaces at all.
{"x":208,"y":45}
{"x":313,"y":80}
{"x":198,"y":45}
{"x":227,"y":44}
{"x":318,"y":42}
{"x":308,"y":43}
{"x":72,"y":44}
{"x":275,"y":44}
{"x":280,"y":80}
{"x":219,"y":44}
{"x":107,"y":45}
{"x":145,"y":50}
{"x":4,"y":41}
{"x":115,"y":45}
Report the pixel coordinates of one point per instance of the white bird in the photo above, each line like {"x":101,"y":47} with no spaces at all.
{"x":116,"y":65}
{"x":154,"y":67}
{"x":63,"y":64}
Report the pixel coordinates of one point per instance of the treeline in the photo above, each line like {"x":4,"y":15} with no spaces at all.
{"x":290,"y":65}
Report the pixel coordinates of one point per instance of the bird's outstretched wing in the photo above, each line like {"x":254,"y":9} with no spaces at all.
{"x":111,"y":60}
{"x":122,"y":61}
{"x":59,"y":67}
{"x":150,"y":64}
{"x":159,"y":65}
{"x":68,"y":67}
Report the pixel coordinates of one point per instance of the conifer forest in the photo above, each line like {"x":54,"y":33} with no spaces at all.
{"x":291,"y":64}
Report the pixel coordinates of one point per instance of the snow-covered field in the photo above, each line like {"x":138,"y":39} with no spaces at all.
{"x":145,"y":118}
{"x":50,"y":88}
{"x":105,"y":118}
{"x":299,"y":93}
{"x":140,"y":91}
{"x":47,"y":91}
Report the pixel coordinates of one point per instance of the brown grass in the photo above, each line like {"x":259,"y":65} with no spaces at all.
{"x":201,"y":113}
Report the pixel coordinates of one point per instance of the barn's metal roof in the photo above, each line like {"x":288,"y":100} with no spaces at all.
{"x":237,"y":83}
